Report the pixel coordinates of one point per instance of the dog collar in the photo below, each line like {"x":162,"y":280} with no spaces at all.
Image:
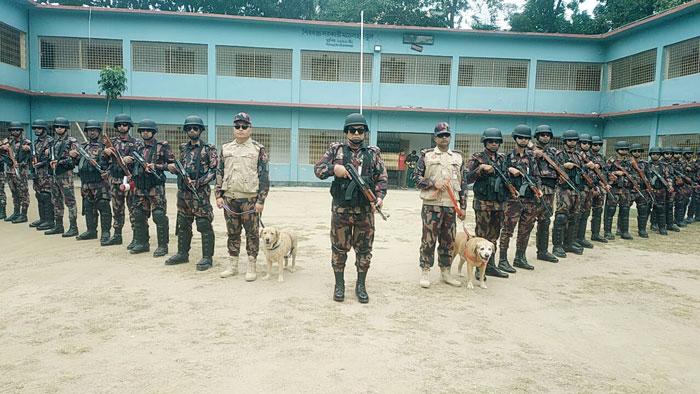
{"x":473,"y":260}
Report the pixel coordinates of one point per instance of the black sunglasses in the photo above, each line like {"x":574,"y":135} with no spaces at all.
{"x":444,"y":135}
{"x":191,"y":128}
{"x":240,"y":126}
{"x":356,"y":131}
{"x":122,"y":125}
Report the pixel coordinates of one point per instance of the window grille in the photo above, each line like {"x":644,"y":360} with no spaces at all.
{"x":253,"y":62}
{"x":313,"y":143}
{"x":493,"y":73}
{"x":609,"y":145}
{"x":277,"y":141}
{"x":632,"y":70}
{"x":682,"y":58}
{"x":63,"y":53}
{"x":13,"y":46}
{"x":569,"y":76}
{"x":335,"y":66}
{"x":168,"y":57}
{"x":682,"y":140}
{"x":415,"y":69}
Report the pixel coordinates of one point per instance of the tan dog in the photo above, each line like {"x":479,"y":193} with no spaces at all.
{"x":476,"y":252}
{"x":278,"y":245}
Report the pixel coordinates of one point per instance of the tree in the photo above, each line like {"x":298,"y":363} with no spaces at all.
{"x":544,"y":16}
{"x":112,"y":83}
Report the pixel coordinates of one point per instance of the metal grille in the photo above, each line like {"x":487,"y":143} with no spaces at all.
{"x":313,"y":143}
{"x":682,"y":58}
{"x":569,"y":76}
{"x":63,"y":53}
{"x":632,"y":70}
{"x":493,"y":73}
{"x":253,"y":62}
{"x":609,"y":145}
{"x":168,"y":57}
{"x":277,"y":142}
{"x":12,"y":46}
{"x":416,"y":69}
{"x":471,"y":143}
{"x":682,"y":140}
{"x":335,"y":66}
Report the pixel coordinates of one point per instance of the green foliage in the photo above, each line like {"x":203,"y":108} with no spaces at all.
{"x":112,"y":82}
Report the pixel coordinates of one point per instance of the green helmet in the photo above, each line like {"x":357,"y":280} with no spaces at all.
{"x":622,"y":145}
{"x":40,"y":124}
{"x":570,"y":135}
{"x":148,"y":125}
{"x":194,"y":121}
{"x":677,"y":149}
{"x":61,"y":122}
{"x":655,"y":150}
{"x":595,"y":140}
{"x":14,"y":125}
{"x":636,"y":147}
{"x":585,"y":138}
{"x":492,"y":134}
{"x":355,"y":120}
{"x":123,"y":118}
{"x":667,"y":149}
{"x":687,"y":151}
{"x":93,"y":124}
{"x":522,"y":131}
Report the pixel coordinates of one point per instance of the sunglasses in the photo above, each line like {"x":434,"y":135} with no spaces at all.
{"x":356,"y":131}
{"x":122,"y":125}
{"x":191,"y":128}
{"x":241,"y":126}
{"x":445,"y":135}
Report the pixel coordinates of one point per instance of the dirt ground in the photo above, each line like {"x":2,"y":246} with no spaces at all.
{"x":80,"y":318}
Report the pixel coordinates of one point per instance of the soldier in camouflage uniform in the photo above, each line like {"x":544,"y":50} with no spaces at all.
{"x":489,"y":193}
{"x":522,"y":211}
{"x":121,"y":197}
{"x":661,"y":181}
{"x":21,"y":149}
{"x":3,"y":199}
{"x":438,"y":169}
{"x":673,"y":191}
{"x":690,"y":171}
{"x":621,"y":189}
{"x":590,"y":190}
{"x":149,"y":182}
{"x":644,"y":201}
{"x":696,"y":192}
{"x":200,"y":162}
{"x":598,"y":200}
{"x":352,"y":217}
{"x":94,"y":185}
{"x":62,"y":189}
{"x":568,"y":213}
{"x":683,"y":189}
{"x":242,"y":185}
{"x":42,"y":176}
{"x":548,"y":179}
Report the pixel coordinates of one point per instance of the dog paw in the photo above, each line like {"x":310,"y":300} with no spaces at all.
{"x":266,"y":277}
{"x":483,"y":286}
{"x":292,"y":269}
{"x":280,"y":280}
{"x":470,"y":285}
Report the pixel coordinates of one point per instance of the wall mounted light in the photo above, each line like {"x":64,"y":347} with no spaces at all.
{"x":377,"y":48}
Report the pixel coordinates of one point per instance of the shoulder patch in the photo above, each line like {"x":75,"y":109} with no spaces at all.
{"x":425,"y":150}
{"x":374,"y":148}
{"x":256,"y":143}
{"x":162,"y":142}
{"x":458,"y":151}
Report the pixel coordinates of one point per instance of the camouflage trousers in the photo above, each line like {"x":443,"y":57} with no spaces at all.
{"x":587,"y":196}
{"x":635,"y":198}
{"x":621,"y":195}
{"x":19,"y":188}
{"x":524,"y":216}
{"x":63,"y":192}
{"x":568,"y":202}
{"x":3,"y":198}
{"x":190,"y":207}
{"x":249,"y":222}
{"x":488,"y":225}
{"x":660,"y":196}
{"x":152,"y":199}
{"x":121,"y":198}
{"x":43,"y":181}
{"x":542,"y":213}
{"x":438,"y":226}
{"x":351,"y":230}
{"x":598,"y":200}
{"x":92,"y":193}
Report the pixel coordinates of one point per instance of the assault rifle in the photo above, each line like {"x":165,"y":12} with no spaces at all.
{"x":539,"y":200}
{"x":363,"y":186}
{"x":656,"y":174}
{"x":143,"y":162}
{"x":644,"y":179}
{"x":685,"y":178}
{"x":635,"y":185}
{"x":598,"y":173}
{"x":92,"y":161}
{"x":127,"y":183}
{"x":11,"y":154}
{"x":511,"y":189}
{"x":53,"y":158}
{"x":32,"y":169}
{"x":185,"y":179}
{"x":561,"y":172}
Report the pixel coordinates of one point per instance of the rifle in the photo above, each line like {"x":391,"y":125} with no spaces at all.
{"x":183,"y":173}
{"x":598,"y":173}
{"x":656,"y":174}
{"x":686,"y":179}
{"x":143,"y":162}
{"x":11,"y":154}
{"x":363,"y":186}
{"x":513,"y":193}
{"x":53,"y":158}
{"x":644,"y":179}
{"x":32,"y":170}
{"x":635,"y":186}
{"x":92,"y":161}
{"x":561,"y":173}
{"x":127,"y":184}
{"x":539,"y":200}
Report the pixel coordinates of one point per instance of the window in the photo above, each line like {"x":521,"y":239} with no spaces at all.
{"x":335,"y":66}
{"x":682,"y":58}
{"x":13,"y":46}
{"x":416,"y":69}
{"x":277,"y":142}
{"x":313,"y":143}
{"x":569,"y":76}
{"x":493,"y":73}
{"x":253,"y":62}
{"x":170,"y":58}
{"x":63,"y":53}
{"x":632,"y":70}
{"x":682,"y":140}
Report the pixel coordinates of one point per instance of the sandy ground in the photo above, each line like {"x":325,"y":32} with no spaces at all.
{"x":80,"y":318}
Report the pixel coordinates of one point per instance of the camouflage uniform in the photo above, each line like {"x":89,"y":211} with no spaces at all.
{"x":120,"y":197}
{"x":672,"y":196}
{"x":548,"y":179}
{"x":62,"y":188}
{"x":661,"y":192}
{"x":438,"y":213}
{"x":643,"y":202}
{"x":696,"y":192}
{"x":3,"y":198}
{"x":42,"y":182}
{"x":621,"y":189}
{"x":598,"y":199}
{"x":95,"y":191}
{"x":590,"y":191}
{"x":19,"y":186}
{"x":568,"y":212}
{"x":683,"y":192}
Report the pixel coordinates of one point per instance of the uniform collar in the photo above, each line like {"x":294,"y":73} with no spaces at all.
{"x":199,"y":143}
{"x":247,"y":142}
{"x":437,"y":151}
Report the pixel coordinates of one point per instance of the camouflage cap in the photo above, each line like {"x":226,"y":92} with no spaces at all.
{"x":242,"y":117}
{"x":442,"y":128}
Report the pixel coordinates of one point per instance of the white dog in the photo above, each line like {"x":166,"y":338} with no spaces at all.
{"x":278,"y":245}
{"x":476,"y":252}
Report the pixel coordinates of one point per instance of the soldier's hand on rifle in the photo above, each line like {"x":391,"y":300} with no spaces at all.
{"x":74,"y":154}
{"x":608,"y":188}
{"x":259,"y":208}
{"x":486,"y":168}
{"x":569,"y":165}
{"x":128,"y":159}
{"x":109,"y":151}
{"x":93,"y":162}
{"x":515,"y":171}
{"x":53,"y":163}
{"x":538,"y":152}
{"x":220,"y":202}
{"x":670,"y":188}
{"x":590,"y":165}
{"x":150,"y":167}
{"x":619,"y":173}
{"x":377,"y":204}
{"x":5,"y":146}
{"x":172,"y":168}
{"x":340,"y":172}
{"x":26,"y":148}
{"x":612,"y":177}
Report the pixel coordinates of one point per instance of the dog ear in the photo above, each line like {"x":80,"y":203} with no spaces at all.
{"x":277,"y":234}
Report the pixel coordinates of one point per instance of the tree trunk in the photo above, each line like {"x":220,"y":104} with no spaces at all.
{"x":104,"y":125}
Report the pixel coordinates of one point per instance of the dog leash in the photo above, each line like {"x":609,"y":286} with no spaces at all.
{"x":248,"y":212}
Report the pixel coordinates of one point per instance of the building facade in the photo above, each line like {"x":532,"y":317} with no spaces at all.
{"x":298,"y":79}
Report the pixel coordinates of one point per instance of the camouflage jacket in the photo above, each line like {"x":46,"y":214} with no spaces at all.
{"x":202,"y":170}
{"x":622,"y":182}
{"x":161,"y":157}
{"x":575,"y":174}
{"x":262,"y":170}
{"x":422,"y":182}
{"x":589,"y":155}
{"x":663,"y":170}
{"x":125,"y":147}
{"x":62,"y":148}
{"x":24,"y":158}
{"x":679,"y":171}
{"x":88,"y":173}
{"x":644,"y":168}
{"x":546,"y":171}
{"x":474,"y":175}
{"x":527,"y":164}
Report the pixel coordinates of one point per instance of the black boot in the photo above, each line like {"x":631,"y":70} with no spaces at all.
{"x":542,"y":243}
{"x":570,"y":236}
{"x":14,"y":215}
{"x":184,"y":239}
{"x":133,"y":238}
{"x":49,"y":221}
{"x":654,"y":218}
{"x":520,"y":260}
{"x":607,"y":221}
{"x":558,"y":235}
{"x":492,"y":270}
{"x":3,"y":213}
{"x":72,"y":229}
{"x":105,"y":211}
{"x":678,"y":214}
{"x":22,"y":217}
{"x":339,"y":290}
{"x":360,"y":290}
{"x":595,"y":225}
{"x":204,"y":227}
{"x":697,"y":211}
{"x":140,"y":241}
{"x":161,"y":221}
{"x":115,"y":239}
{"x":624,"y":219}
{"x":669,"y":218}
{"x":503,"y":263}
{"x":90,"y":223}
{"x":642,"y":216}
{"x":40,"y":209}
{"x":581,"y":232}
{"x":660,"y":218}
{"x":57,"y":227}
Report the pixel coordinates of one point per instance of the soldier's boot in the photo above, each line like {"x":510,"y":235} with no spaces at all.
{"x":105,"y":210}
{"x":3,"y":213}
{"x":162,"y":231}
{"x":141,"y":244}
{"x":49,"y":221}
{"x":697,"y":211}
{"x":624,"y":219}
{"x":492,"y":270}
{"x":654,"y":218}
{"x":581,"y":231}
{"x":204,"y":227}
{"x":607,"y":222}
{"x":520,"y":260}
{"x":558,"y":235}
{"x":91,"y":223}
{"x":660,"y":214}
{"x":446,"y":277}
{"x":425,"y":278}
{"x":595,"y":225}
{"x":14,"y":214}
{"x":133,"y":238}
{"x":40,"y":208}
{"x":670,"y":225}
{"x":115,"y":239}
{"x":360,"y":290}
{"x":57,"y":227}
{"x":570,"y":235}
{"x":72,"y":228}
{"x":339,"y":289}
{"x":22,"y":217}
{"x":690,"y":209}
{"x":231,"y":267}
{"x":503,"y":263}
{"x":251,"y":269}
{"x":542,"y":243}
{"x":183,"y":230}
{"x":678,"y":212}
{"x":642,"y":216}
